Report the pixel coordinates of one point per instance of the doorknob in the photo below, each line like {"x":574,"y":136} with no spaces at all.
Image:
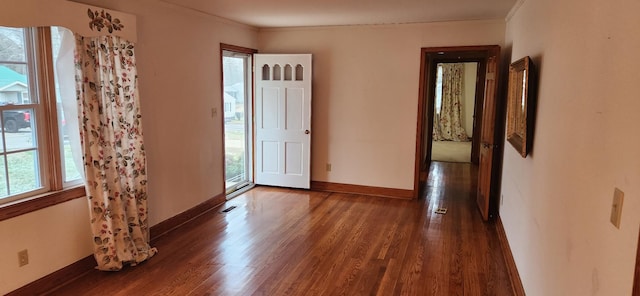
{"x":307,"y":132}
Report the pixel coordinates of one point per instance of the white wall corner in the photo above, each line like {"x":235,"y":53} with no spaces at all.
{"x":514,"y":9}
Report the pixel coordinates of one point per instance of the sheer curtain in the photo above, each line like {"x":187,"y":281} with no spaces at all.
{"x":447,"y":125}
{"x":105,"y":105}
{"x":65,"y":70}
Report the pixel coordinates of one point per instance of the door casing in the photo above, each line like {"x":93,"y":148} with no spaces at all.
{"x":636,"y":277}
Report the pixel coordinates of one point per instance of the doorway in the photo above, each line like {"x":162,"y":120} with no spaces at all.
{"x":237,"y":113}
{"x":454,"y":112}
{"x":486,"y":132}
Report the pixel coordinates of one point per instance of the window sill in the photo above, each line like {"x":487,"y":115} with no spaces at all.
{"x":39,"y":202}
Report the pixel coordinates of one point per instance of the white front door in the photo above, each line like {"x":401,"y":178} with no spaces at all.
{"x":283,"y":120}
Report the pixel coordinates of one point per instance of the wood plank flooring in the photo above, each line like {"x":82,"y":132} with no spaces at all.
{"x":296,"y":242}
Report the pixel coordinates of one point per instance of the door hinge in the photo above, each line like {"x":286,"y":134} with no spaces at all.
{"x":487,"y":145}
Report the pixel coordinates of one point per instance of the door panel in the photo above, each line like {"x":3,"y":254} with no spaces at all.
{"x":487,"y":137}
{"x":294,"y":158}
{"x":270,"y":109}
{"x":269,"y":164}
{"x":294,"y":108}
{"x":283,"y":120}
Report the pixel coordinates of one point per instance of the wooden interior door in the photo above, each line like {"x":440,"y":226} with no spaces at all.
{"x":488,"y":145}
{"x":283,"y":120}
{"x":636,"y":277}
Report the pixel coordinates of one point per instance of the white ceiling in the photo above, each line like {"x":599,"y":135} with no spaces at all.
{"x":296,"y":13}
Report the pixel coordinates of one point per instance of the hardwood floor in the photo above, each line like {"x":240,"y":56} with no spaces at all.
{"x":297,"y":242}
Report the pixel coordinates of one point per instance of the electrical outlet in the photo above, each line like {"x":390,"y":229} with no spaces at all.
{"x":214,"y":112}
{"x":616,"y":207}
{"x":23,"y":258}
{"x":328,"y":167}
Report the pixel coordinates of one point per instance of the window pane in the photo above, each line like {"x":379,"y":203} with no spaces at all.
{"x":237,"y":159}
{"x":14,"y":72}
{"x":4,"y":191}
{"x":438,"y":100}
{"x":19,"y":132}
{"x":70,"y":170}
{"x":23,"y":172}
{"x":23,"y":167}
{"x":233,"y":79}
{"x":12,"y":45}
{"x":62,"y":43}
{"x":14,"y":85}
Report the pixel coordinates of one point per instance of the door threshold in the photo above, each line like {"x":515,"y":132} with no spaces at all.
{"x":240,"y":190}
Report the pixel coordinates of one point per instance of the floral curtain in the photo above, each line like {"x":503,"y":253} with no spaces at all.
{"x":447,"y":125}
{"x":113,"y":150}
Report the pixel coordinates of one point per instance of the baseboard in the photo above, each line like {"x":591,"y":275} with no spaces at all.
{"x":360,"y":189}
{"x":514,"y":276}
{"x":186,"y":216}
{"x":57,"y":279}
{"x":67,"y":274}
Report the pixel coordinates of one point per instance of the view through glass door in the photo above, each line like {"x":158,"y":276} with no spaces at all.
{"x":236,"y":77}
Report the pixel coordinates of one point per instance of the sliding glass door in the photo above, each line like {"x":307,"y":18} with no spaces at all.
{"x":236,"y":76}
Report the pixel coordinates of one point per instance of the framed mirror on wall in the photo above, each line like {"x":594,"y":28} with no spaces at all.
{"x":521,"y":102}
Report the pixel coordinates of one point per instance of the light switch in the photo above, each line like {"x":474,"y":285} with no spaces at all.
{"x":616,"y":207}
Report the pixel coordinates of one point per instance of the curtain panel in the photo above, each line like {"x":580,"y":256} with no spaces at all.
{"x":447,"y":125}
{"x":113,"y":150}
{"x":96,"y":66}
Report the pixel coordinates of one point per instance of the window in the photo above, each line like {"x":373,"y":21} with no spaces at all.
{"x":35,"y":153}
{"x":439,"y":75}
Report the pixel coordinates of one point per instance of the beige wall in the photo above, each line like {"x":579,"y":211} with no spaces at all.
{"x":365,"y":93}
{"x":557,"y":201}
{"x":54,"y":237}
{"x":179,"y":79}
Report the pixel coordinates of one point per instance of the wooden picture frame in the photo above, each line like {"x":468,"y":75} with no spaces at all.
{"x":521,"y":105}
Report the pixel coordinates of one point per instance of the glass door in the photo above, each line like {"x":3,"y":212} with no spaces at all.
{"x":236,"y":77}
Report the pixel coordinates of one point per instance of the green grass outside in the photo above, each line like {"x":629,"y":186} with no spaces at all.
{"x":234,"y":154}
